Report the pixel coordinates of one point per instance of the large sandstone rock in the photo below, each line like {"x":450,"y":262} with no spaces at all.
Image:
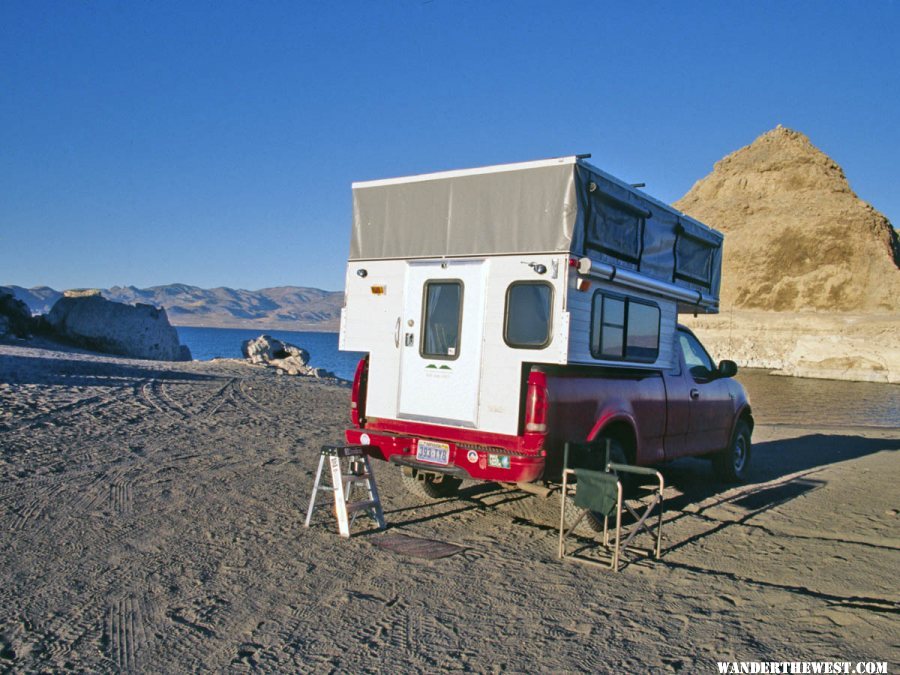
{"x":797,"y":237}
{"x":810,"y":278}
{"x":138,"y":331}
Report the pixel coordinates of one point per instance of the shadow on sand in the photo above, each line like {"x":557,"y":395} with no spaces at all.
{"x":770,"y":461}
{"x":694,"y":482}
{"x":26,"y":369}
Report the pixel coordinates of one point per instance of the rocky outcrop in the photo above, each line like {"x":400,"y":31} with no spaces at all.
{"x":810,"y":277}
{"x":286,"y":358}
{"x":136,"y":331}
{"x":15,"y":317}
{"x":265,"y":349}
{"x":797,"y":237}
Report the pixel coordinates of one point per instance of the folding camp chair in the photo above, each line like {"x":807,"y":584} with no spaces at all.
{"x":601,"y":493}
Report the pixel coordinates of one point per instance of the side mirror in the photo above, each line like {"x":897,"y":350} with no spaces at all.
{"x":727,"y":368}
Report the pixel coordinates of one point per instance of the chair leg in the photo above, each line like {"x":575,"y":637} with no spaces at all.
{"x":562,"y":516}
{"x":615,"y":564}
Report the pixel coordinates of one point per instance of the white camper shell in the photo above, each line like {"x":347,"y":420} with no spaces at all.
{"x":456,"y":280}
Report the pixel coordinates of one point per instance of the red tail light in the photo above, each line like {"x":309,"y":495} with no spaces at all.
{"x":537,"y":404}
{"x":358,"y":393}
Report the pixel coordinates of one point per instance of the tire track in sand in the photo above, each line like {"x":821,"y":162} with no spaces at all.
{"x":125,"y":633}
{"x":153,"y":391}
{"x":34,"y":509}
{"x":241,"y":389}
{"x":90,"y":404}
{"x":120,"y":496}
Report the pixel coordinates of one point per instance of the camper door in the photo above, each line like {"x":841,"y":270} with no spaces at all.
{"x":442,"y":328}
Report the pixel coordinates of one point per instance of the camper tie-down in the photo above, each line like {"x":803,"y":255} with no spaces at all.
{"x":508,"y":310}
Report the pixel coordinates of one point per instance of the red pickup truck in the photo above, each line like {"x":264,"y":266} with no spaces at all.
{"x":693,"y":409}
{"x":510,"y":309}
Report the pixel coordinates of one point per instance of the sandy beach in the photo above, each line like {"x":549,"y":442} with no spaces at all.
{"x":152,"y":521}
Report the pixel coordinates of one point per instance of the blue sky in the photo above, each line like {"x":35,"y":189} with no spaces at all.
{"x":214,"y":143}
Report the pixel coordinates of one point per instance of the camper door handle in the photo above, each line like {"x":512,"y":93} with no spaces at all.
{"x":397,"y":334}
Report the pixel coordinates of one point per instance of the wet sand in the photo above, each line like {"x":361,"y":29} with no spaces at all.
{"x":152,"y":514}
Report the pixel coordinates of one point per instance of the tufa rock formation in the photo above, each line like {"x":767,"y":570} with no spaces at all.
{"x":286,"y":358}
{"x":265,"y":348}
{"x":137,"y":331}
{"x":797,"y":237}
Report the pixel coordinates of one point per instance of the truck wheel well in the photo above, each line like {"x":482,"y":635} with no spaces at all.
{"x":747,"y":417}
{"x":623,"y":434}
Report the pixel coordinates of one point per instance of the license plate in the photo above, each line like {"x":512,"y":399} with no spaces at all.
{"x":436,"y":453}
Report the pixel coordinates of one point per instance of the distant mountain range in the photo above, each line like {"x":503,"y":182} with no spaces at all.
{"x":285,"y":307}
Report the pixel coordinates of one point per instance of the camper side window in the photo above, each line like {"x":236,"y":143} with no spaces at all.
{"x":527,"y":319}
{"x":624,"y":329}
{"x":441,"y":320}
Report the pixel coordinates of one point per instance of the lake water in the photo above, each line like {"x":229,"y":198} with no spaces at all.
{"x":821,"y":403}
{"x":210,"y":343}
{"x":775,"y":400}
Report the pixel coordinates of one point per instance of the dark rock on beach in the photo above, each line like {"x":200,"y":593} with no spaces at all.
{"x":15,"y":317}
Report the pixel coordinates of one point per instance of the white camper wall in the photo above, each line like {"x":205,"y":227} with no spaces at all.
{"x":501,"y":371}
{"x":369,"y":324}
{"x":579,"y":307}
{"x":369,"y":321}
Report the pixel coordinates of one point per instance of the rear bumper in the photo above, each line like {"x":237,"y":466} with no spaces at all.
{"x":466,"y":460}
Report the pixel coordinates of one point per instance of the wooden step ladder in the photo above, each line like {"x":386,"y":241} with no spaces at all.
{"x":344,"y":482}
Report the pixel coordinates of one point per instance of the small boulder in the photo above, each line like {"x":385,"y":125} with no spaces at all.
{"x":266,"y":349}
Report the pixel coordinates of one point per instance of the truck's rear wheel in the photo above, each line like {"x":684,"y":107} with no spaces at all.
{"x":428,"y":485}
{"x":616,"y":455}
{"x":732,"y":464}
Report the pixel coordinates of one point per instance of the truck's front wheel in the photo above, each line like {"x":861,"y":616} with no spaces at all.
{"x":430,"y":486}
{"x":732,"y":464}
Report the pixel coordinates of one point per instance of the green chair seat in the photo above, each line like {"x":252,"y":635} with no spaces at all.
{"x":597,"y":491}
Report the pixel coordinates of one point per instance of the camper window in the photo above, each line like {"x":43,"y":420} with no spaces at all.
{"x":615,"y":228}
{"x":527,"y":318}
{"x":693,"y":260}
{"x":441,"y":320}
{"x":624,"y":328}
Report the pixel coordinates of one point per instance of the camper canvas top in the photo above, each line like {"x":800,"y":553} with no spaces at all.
{"x":562,"y":205}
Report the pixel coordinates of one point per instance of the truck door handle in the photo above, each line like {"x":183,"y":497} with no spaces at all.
{"x":397,"y":334}
{"x":695,"y":393}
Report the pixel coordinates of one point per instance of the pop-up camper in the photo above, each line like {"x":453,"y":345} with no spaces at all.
{"x":468,"y":289}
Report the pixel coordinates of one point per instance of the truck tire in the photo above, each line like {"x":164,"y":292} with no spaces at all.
{"x":588,"y":525}
{"x":426,"y":486}
{"x":732,"y":464}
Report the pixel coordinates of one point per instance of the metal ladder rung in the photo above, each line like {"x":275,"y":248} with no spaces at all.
{"x":359,"y":506}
